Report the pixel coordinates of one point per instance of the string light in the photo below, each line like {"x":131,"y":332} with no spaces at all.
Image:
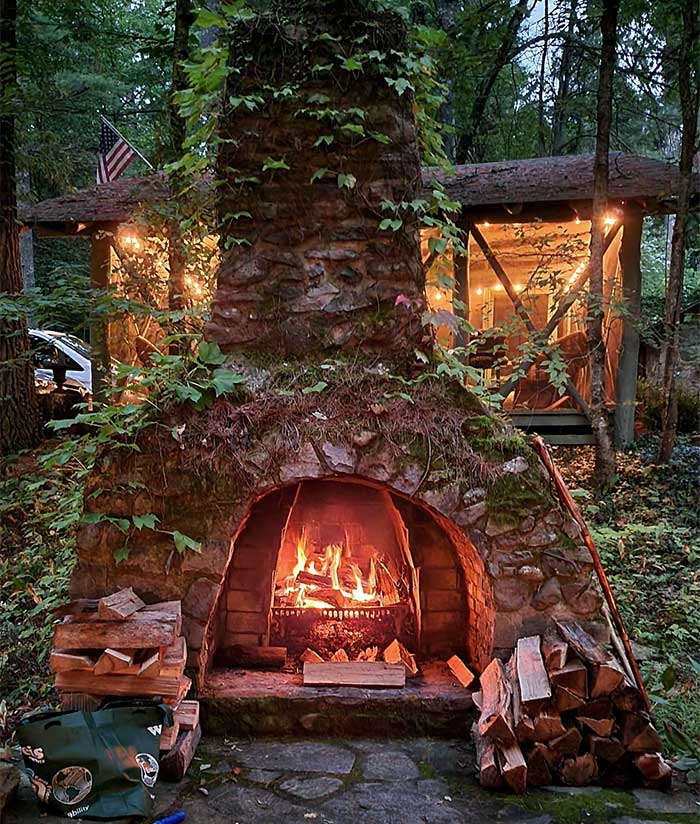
{"x":131,"y":241}
{"x":610,"y":220}
{"x":480,"y":291}
{"x":519,"y":287}
{"x":438,"y":295}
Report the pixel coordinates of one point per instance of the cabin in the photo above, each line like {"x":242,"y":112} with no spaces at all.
{"x":519,"y":286}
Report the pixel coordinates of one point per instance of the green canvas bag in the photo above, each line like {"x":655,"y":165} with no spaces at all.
{"x":96,"y":765}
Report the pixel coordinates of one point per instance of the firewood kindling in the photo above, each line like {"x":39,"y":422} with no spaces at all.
{"x":563,"y":711}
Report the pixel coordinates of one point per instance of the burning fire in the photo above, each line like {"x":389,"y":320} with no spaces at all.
{"x":329,"y":579}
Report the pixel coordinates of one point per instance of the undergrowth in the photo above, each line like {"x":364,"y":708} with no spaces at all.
{"x":648,"y":531}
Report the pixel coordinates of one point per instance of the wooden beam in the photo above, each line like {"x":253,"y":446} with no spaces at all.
{"x":354,"y":674}
{"x":564,"y":305}
{"x":626,"y":383}
{"x":100,"y":277}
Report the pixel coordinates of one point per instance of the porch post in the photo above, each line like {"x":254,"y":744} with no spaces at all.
{"x":461,"y":284}
{"x":626,"y":386}
{"x":100,"y":277}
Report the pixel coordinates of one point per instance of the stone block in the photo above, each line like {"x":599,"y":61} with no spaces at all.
{"x":541,"y":535}
{"x":193,"y":631}
{"x":439,"y":600}
{"x":305,"y":465}
{"x":339,"y":458}
{"x":511,"y":593}
{"x":245,"y":622}
{"x":443,"y":498}
{"x":473,"y":496}
{"x":232,"y":639}
{"x":471,"y":514}
{"x":247,"y":600}
{"x":547,"y":595}
{"x":199,"y":599}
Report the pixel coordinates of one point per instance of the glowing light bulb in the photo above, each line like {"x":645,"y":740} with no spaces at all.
{"x":131,"y":242}
{"x":577,"y":221}
{"x":610,"y":220}
{"x":498,"y":287}
{"x":486,"y":223}
{"x":519,"y":287}
{"x":480,"y":291}
{"x":438,"y":295}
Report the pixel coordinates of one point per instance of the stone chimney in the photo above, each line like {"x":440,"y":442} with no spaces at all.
{"x":309,"y":271}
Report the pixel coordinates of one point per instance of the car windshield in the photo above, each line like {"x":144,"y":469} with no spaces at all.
{"x":75,"y":343}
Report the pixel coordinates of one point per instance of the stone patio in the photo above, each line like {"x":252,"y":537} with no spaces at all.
{"x":403,"y":781}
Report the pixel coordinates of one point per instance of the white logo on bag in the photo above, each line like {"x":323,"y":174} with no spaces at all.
{"x":71,"y":785}
{"x":34,"y":754}
{"x":156,"y":729}
{"x":79,"y":811}
{"x":149,"y":768}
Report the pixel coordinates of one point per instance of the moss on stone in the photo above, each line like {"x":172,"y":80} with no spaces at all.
{"x":513,"y":496}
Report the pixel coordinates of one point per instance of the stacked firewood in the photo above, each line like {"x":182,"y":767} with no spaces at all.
{"x":118,"y":646}
{"x":563,"y":710}
{"x":369,"y":669}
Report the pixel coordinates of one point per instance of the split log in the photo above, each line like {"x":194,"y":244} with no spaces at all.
{"x":460,"y":671}
{"x":573,"y":676}
{"x":532,"y":676}
{"x":512,"y":765}
{"x":82,"y":681}
{"x":252,"y":657}
{"x":656,"y":772}
{"x":602,"y":727}
{"x":174,"y":701}
{"x":150,"y":665}
{"x":114,"y":660}
{"x":174,"y":764}
{"x":339,"y":657}
{"x":582,"y":643}
{"x":311,"y":656}
{"x":523,"y":726}
{"x":597,"y":708}
{"x":606,"y":678}
{"x":567,"y":744}
{"x":579,"y":771}
{"x":606,"y":749}
{"x":119,"y":606}
{"x":314,"y":579}
{"x":628,"y":698}
{"x":554,"y":651}
{"x":639,"y":735}
{"x":548,"y":726}
{"x":396,"y":653}
{"x":565,"y":700}
{"x":174,"y":658}
{"x":478,"y":699}
{"x":168,"y":735}
{"x":62,"y":660}
{"x":160,"y":631}
{"x":489,"y":774}
{"x":539,"y":773}
{"x":187,"y":715}
{"x":496,"y":721}
{"x":332,"y":597}
{"x":354,"y":674}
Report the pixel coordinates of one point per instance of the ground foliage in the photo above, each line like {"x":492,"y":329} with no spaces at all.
{"x":648,"y":531}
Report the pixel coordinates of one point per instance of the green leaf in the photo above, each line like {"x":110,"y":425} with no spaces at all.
{"x":350,"y":64}
{"x":124,"y":524}
{"x":270,"y":164}
{"x":326,"y":139}
{"x":92,"y":518}
{"x":121,"y":554}
{"x":224,"y":380}
{"x":210,"y":353}
{"x":187,"y":393}
{"x":148,"y":520}
{"x":317,"y":387}
{"x":184,"y":542}
{"x":346,"y":181}
{"x":319,"y":174}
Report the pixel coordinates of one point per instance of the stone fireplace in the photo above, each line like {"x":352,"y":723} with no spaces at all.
{"x":338,"y":503}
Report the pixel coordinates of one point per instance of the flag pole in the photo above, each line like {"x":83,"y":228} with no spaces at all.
{"x":136,"y":151}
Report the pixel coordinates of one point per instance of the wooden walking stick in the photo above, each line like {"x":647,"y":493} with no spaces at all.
{"x":565,"y":496}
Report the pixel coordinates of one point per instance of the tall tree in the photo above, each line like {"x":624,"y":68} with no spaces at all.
{"x":689,"y":93}
{"x":604,"y":452}
{"x":19,"y":409}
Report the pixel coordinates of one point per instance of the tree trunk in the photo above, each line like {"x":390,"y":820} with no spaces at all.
{"x":541,"y":124}
{"x":690,"y":103}
{"x":561,"y":101}
{"x":467,"y":149}
{"x":604,"y":450}
{"x":177,"y":259}
{"x":19,"y":409}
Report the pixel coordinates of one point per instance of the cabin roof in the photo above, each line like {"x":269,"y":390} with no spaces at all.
{"x":566,"y":179}
{"x":547,"y":180}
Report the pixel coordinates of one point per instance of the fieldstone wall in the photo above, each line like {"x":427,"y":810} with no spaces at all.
{"x":302,"y":182}
{"x":521,"y":568}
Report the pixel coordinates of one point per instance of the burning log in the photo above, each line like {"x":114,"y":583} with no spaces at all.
{"x":313,"y":579}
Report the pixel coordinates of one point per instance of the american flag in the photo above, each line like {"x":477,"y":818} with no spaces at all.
{"x":113,"y":155}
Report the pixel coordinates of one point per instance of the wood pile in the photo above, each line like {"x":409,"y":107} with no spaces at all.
{"x":366,"y":670}
{"x":563,"y":710}
{"x":118,"y":646}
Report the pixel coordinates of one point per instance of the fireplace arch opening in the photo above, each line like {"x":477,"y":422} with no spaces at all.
{"x":346,"y":563}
